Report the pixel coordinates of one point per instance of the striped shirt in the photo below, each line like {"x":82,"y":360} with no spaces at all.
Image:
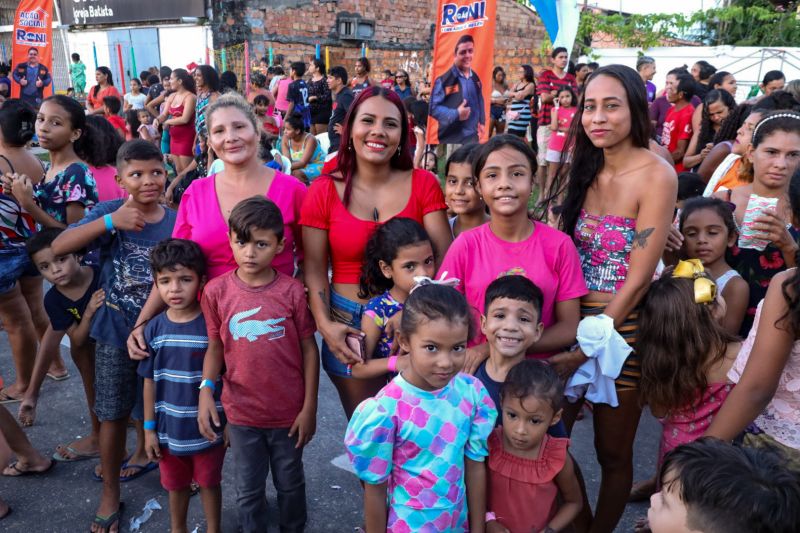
{"x":176,"y":366}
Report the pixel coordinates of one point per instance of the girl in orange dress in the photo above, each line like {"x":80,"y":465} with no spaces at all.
{"x":527,"y":467}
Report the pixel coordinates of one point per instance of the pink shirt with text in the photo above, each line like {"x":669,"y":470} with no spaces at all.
{"x":548,"y":258}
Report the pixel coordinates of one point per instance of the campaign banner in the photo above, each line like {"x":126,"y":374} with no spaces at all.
{"x":33,"y":30}
{"x":463,"y":59}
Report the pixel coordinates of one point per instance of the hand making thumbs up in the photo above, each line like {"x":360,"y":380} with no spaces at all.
{"x":128,"y":217}
{"x":463,"y":111}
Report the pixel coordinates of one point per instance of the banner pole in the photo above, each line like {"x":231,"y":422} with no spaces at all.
{"x":121,"y":67}
{"x":96,"y":62}
{"x":247,"y":68}
{"x":133,"y":64}
{"x":224,"y":59}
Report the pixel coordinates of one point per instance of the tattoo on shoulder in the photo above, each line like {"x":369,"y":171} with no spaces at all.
{"x":640,"y":237}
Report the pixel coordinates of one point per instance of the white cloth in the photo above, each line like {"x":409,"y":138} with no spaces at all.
{"x":607,"y":351}
{"x":719,"y":173}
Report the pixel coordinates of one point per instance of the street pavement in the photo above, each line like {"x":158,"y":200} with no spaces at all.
{"x":64,"y":500}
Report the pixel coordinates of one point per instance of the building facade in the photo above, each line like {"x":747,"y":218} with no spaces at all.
{"x":397,"y":34}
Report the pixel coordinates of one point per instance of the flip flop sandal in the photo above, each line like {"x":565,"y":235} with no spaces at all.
{"x":56,"y":377}
{"x":99,"y":479}
{"x":23,"y":473}
{"x":76,"y":455}
{"x":5,"y":398}
{"x":114,"y":518}
{"x":140,"y":471}
{"x":8,"y":512}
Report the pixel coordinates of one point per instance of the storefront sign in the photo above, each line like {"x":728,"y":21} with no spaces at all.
{"x":92,"y":12}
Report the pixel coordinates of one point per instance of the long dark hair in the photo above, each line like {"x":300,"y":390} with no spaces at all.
{"x":730,"y":126}
{"x":210,"y":77}
{"x":706,"y":127}
{"x":187,"y":81}
{"x":109,"y":80}
{"x":89,"y":145}
{"x":17,"y":122}
{"x":678,"y":340}
{"x":587,"y":159}
{"x":346,"y":159}
{"x":106,"y":141}
{"x":383,"y":245}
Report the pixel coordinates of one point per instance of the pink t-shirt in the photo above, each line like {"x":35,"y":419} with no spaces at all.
{"x":558,"y":138}
{"x":260,"y":329}
{"x":107,"y":187}
{"x":200,"y":219}
{"x":548,"y":258}
{"x":281,"y":103}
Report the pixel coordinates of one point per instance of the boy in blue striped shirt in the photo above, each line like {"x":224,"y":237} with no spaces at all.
{"x":177,"y":342}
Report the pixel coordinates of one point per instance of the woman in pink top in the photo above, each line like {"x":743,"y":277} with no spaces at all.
{"x":766,"y":399}
{"x":375,"y":182}
{"x":104,"y":166}
{"x":233,"y":133}
{"x":618,"y":202}
{"x":512,"y":244}
{"x":280,"y":91}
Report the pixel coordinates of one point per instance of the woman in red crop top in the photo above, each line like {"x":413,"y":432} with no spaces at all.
{"x":375,"y":182}
{"x":618,"y":206}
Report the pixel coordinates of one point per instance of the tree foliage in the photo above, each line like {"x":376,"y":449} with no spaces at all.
{"x":740,"y":23}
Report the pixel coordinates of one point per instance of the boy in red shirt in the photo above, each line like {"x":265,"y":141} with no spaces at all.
{"x":260,"y":327}
{"x":678,"y":124}
{"x":111,"y":107}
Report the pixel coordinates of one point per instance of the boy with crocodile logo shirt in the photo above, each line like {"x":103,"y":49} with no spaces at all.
{"x":260,"y":327}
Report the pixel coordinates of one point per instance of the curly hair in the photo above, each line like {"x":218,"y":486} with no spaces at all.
{"x":679,"y":341}
{"x":707,"y":134}
{"x":383,"y":246}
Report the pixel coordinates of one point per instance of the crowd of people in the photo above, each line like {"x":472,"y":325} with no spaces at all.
{"x":610,"y":247}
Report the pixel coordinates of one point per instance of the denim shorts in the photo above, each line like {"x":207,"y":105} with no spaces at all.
{"x":117,"y":385}
{"x":14,"y":264}
{"x":347,"y":312}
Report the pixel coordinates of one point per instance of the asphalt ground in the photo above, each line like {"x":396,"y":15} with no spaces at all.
{"x":65,"y":499}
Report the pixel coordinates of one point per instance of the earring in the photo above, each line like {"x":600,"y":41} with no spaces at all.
{"x":350,"y":145}
{"x":398,"y":151}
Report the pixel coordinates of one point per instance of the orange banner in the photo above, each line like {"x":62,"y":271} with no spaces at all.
{"x":463,"y":59}
{"x":32,"y":47}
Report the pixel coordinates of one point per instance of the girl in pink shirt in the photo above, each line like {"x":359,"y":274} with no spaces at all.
{"x":511,"y":243}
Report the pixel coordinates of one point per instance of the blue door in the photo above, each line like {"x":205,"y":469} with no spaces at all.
{"x":144,"y":42}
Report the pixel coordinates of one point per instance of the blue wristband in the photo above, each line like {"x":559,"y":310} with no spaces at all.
{"x":150,"y":425}
{"x":208,"y":383}
{"x":109,"y":223}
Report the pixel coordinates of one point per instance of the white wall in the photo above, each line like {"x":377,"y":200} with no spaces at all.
{"x":744,"y":62}
{"x":178,"y":46}
{"x":182,"y":45}
{"x":81,"y":42}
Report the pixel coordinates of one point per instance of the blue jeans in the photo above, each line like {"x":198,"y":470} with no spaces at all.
{"x":14,"y":263}
{"x":255,"y":451}
{"x":347,"y":312}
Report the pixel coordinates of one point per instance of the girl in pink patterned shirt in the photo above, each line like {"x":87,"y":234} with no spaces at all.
{"x":686,"y":355}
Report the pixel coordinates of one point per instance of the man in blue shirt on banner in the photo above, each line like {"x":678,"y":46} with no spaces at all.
{"x":457,"y":98}
{"x":33,"y":77}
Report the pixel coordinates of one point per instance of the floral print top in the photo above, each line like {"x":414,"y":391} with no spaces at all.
{"x":73,"y":184}
{"x":604,"y":245}
{"x":757,"y":268}
{"x":380,"y":309}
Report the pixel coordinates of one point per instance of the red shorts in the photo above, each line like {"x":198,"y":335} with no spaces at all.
{"x":178,"y":471}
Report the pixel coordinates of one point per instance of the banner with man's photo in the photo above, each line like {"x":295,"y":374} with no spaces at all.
{"x":463,"y":59}
{"x":32,"y":49}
